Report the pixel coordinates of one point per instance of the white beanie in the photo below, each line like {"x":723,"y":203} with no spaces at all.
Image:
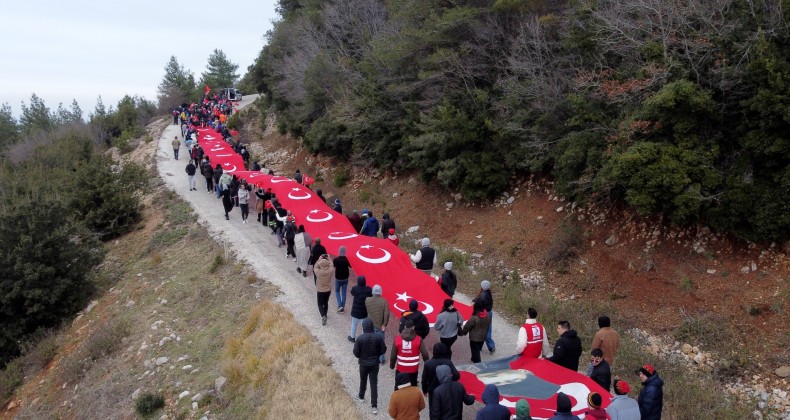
{"x":377,"y":290}
{"x":485,"y":284}
{"x":426,"y":242}
{"x":448,"y":265}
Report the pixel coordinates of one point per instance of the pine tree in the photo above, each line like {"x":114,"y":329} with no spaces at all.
{"x":9,"y":130}
{"x":178,"y":85}
{"x":220,"y":72}
{"x":37,"y":117}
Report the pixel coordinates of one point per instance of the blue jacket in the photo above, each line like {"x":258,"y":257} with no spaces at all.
{"x":493,"y":409}
{"x":651,"y":399}
{"x":370,"y":227}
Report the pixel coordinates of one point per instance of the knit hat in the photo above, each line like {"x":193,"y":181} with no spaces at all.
{"x":392,"y":231}
{"x":448,"y":265}
{"x":402,"y":380}
{"x":364,"y":211}
{"x":426,"y":242}
{"x":377,"y":290}
{"x":413,"y":304}
{"x":621,"y":387}
{"x":647,"y":369}
{"x":594,"y":400}
{"x":485,"y":284}
{"x":341,"y":251}
{"x":563,"y":403}
{"x":522,"y":408}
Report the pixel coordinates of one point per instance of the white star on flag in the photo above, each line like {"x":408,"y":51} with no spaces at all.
{"x":403,"y":296}
{"x":313,"y":211}
{"x":366,"y":246}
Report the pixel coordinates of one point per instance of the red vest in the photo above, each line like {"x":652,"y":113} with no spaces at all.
{"x":408,"y":354}
{"x":535,"y":334}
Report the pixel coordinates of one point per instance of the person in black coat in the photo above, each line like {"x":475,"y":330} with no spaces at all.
{"x":599,"y":370}
{"x":449,"y":397}
{"x":368,"y":347}
{"x":421,"y":325}
{"x":429,"y":380}
{"x":568,"y":348}
{"x":227,"y":203}
{"x":651,"y":398}
{"x":360,"y":292}
{"x":386,"y":224}
{"x":316,"y":253}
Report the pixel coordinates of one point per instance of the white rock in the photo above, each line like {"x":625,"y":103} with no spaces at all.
{"x":394,"y":195}
{"x":745,"y":269}
{"x":136,"y":393}
{"x":511,"y":200}
{"x":753,"y":266}
{"x":197,"y":397}
{"x":163,"y":301}
{"x":539,"y":217}
{"x":186,"y":367}
{"x":413,"y":229}
{"x":219,"y":383}
{"x":183,"y":394}
{"x":91,"y":306}
{"x":161,"y":360}
{"x":478,"y":237}
{"x":560,"y":209}
{"x":711,"y":271}
{"x":130,"y":303}
{"x":194,"y":405}
{"x":611,"y":240}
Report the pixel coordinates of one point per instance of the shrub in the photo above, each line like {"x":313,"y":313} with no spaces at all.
{"x":103,"y":342}
{"x":341,"y":177}
{"x":149,"y":403}
{"x":216,"y":264}
{"x":564,"y":244}
{"x":10,"y":378}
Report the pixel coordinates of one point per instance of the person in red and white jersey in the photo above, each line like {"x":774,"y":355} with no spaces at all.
{"x":532,"y":339}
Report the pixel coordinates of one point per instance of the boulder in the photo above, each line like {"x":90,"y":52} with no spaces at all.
{"x":783,"y":372}
{"x":219,"y":383}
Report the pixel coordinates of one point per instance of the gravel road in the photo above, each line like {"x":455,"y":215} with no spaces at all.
{"x":253,"y":244}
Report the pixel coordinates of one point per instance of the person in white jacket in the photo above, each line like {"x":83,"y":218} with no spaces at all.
{"x":532,"y":338}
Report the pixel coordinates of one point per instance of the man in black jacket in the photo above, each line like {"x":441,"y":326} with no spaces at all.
{"x":449,"y":397}
{"x":368,"y":347}
{"x":440,"y":358}
{"x":568,"y":348}
{"x":421,"y":325}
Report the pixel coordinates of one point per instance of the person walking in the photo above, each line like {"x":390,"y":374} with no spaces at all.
{"x":208,"y":173}
{"x":227,"y":202}
{"x":448,"y":397}
{"x":368,"y":348}
{"x":318,"y":251}
{"x":532,"y":339}
{"x":370,"y":227}
{"x":378,"y":312}
{"x":355,"y":220}
{"x":485,"y":297}
{"x":448,"y":323}
{"x":304,"y":243}
{"x":493,"y":409}
{"x":599,"y":371}
{"x":594,"y":401}
{"x":359,"y":293}
{"x":406,"y":352}
{"x":407,"y":401}
{"x":448,"y":281}
{"x":324,"y":272}
{"x":191,"y":170}
{"x":522,"y":410}
{"x":440,"y":357}
{"x":387,"y":224}
{"x":244,"y":200}
{"x":421,"y":325}
{"x":564,"y":408}
{"x":476,"y":327}
{"x":342,"y":272}
{"x":176,"y":146}
{"x":568,"y":347}
{"x":425,"y":257}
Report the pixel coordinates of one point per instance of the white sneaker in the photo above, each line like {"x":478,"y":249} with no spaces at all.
{"x":375,"y":410}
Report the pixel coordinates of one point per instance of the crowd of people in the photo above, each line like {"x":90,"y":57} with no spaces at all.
{"x":439,"y":382}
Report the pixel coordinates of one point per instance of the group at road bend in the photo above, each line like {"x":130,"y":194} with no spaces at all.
{"x":438,"y":380}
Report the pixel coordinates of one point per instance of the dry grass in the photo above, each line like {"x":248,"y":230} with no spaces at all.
{"x":270,"y":361}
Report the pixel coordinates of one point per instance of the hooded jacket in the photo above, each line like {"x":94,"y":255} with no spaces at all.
{"x":407,"y":334}
{"x":407,"y":400}
{"x":493,"y":409}
{"x":378,"y":311}
{"x":386,"y":224}
{"x":440,"y":357}
{"x":651,"y":398}
{"x":563,"y":408}
{"x":360,"y":292}
{"x":356,"y":221}
{"x":421,"y":324}
{"x":324,"y":271}
{"x":369,"y":346}
{"x":477,"y":326}
{"x":448,"y":397}
{"x":567,"y":351}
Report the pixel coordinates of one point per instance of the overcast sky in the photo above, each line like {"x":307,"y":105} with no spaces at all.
{"x":80,"y":49}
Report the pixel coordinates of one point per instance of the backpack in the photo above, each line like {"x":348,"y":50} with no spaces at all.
{"x":290,"y":230}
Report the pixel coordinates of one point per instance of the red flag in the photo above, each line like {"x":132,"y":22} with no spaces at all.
{"x":308,"y":180}
{"x":234,"y":133}
{"x":208,"y":89}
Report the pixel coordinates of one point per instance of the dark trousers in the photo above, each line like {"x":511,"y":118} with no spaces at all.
{"x":371,"y":372}
{"x":209,"y":184}
{"x":245,"y":211}
{"x":323,"y":302}
{"x":412,"y":376}
{"x":475,"y":347}
{"x":449,"y":343}
{"x":290,"y":250}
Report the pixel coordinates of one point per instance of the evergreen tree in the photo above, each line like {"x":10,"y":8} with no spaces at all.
{"x":177,"y":86}
{"x":9,"y":130}
{"x":220,"y":72}
{"x":37,"y":117}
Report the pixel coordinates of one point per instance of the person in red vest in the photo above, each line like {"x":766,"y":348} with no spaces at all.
{"x":406,"y":352}
{"x":532,"y":339}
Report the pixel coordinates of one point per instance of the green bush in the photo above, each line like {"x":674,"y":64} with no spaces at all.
{"x":149,"y":403}
{"x":11,"y":377}
{"x":216,"y":264}
{"x":342,"y":177}
{"x":103,"y":342}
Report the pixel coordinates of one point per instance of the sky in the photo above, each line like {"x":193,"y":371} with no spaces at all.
{"x":81,"y":49}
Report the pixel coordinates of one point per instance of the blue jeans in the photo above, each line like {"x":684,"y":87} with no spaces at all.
{"x":341,"y":286}
{"x":354,"y":323}
{"x":489,"y":341}
{"x":381,"y":333}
